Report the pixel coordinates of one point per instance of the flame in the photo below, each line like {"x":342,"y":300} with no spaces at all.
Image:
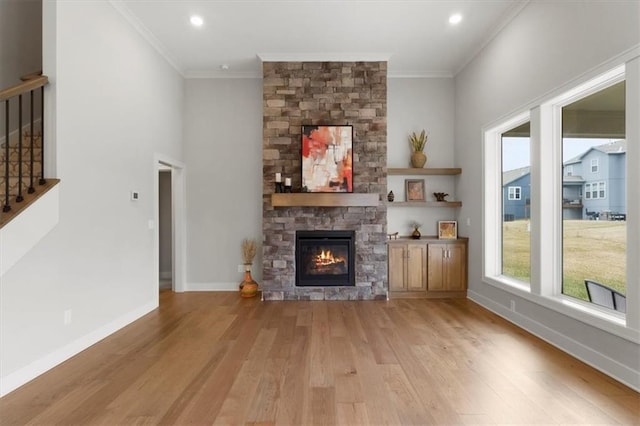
{"x":326,"y":258}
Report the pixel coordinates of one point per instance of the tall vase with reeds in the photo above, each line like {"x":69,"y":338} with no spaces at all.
{"x":248,"y":287}
{"x":417,"y":143}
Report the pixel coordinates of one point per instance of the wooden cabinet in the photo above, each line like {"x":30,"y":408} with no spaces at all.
{"x":447,"y":267}
{"x":428,"y":268}
{"x":407,"y":267}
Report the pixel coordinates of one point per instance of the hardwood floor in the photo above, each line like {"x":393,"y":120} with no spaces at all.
{"x":205,"y":358}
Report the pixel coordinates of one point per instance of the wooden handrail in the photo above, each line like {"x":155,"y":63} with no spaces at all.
{"x":23,"y":87}
{"x":31,"y":76}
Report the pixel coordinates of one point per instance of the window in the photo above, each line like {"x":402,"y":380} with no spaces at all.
{"x":515,"y":151}
{"x":514,"y":192}
{"x":595,"y":190}
{"x":595,"y":250}
{"x":577,"y":224}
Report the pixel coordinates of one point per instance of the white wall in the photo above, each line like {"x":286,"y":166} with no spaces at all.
{"x":547,"y":45}
{"x":20,"y":40}
{"x":118,"y":103}
{"x":223,"y":155}
{"x":415,"y":104}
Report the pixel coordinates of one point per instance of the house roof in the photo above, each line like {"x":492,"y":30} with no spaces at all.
{"x":615,"y":147}
{"x":573,"y":180}
{"x":511,"y":175}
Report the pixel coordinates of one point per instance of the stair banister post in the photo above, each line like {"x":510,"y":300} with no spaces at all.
{"x":7,"y":206}
{"x":31,"y":189}
{"x":19,"y":198}
{"x":42,"y":179}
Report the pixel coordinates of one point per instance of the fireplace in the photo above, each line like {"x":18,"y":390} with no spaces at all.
{"x":325,"y":258}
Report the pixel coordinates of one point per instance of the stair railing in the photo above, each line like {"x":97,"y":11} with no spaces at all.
{"x":8,"y":97}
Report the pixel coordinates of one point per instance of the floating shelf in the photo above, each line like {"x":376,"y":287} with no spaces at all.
{"x":450,"y":204}
{"x":430,"y":171}
{"x":310,"y":199}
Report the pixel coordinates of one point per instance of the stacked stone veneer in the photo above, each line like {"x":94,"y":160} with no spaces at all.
{"x":314,"y":93}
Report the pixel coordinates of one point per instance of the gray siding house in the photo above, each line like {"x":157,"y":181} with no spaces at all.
{"x":594,"y":183}
{"x":516,"y":194}
{"x":593,"y":186}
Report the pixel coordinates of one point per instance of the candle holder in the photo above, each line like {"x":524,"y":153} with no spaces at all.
{"x":287,"y":189}
{"x":279,"y":188}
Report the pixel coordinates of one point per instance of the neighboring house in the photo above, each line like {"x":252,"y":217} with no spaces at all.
{"x":593,"y":185}
{"x":596,"y":181}
{"x":516,"y":194}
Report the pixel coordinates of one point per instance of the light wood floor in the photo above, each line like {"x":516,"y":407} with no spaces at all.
{"x":205,"y":358}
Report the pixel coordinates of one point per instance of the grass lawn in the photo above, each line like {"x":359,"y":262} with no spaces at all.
{"x":592,"y":249}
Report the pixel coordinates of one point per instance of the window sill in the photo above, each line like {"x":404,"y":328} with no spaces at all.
{"x":611,"y":322}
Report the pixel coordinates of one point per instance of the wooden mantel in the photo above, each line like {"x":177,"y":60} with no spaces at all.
{"x":310,"y":199}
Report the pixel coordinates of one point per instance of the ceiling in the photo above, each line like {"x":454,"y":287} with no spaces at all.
{"x":413,"y":35}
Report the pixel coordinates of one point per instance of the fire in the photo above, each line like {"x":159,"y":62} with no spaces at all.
{"x":326,"y":258}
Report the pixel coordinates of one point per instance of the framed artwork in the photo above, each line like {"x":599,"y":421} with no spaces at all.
{"x":414,"y":189}
{"x":448,"y":229}
{"x":327,"y":158}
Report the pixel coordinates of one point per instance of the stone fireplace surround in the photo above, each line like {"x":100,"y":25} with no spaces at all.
{"x":314,"y":93}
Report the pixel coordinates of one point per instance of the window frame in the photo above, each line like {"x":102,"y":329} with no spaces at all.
{"x":516,"y":194}
{"x":595,"y":166}
{"x":568,"y":170}
{"x":545,"y":287}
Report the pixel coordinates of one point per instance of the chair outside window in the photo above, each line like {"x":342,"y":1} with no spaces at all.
{"x":605,"y":296}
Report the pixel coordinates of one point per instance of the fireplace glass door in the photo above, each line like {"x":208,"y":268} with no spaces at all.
{"x":325,"y":258}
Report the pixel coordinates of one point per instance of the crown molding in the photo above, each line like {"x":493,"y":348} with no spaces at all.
{"x":324,"y":57}
{"x":506,"y":19}
{"x":433,"y":74}
{"x":122,"y":8}
{"x":196,"y":74}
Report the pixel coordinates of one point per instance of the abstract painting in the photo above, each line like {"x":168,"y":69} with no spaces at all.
{"x":327,"y":158}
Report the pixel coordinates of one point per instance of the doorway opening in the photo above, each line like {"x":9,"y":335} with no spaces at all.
{"x":169,"y":203}
{"x":165,"y":225}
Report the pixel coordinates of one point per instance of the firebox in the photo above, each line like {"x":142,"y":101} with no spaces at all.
{"x":325,"y":258}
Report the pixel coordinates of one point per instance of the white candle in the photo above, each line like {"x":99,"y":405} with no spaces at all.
{"x":287,"y":182}
{"x":278,"y":177}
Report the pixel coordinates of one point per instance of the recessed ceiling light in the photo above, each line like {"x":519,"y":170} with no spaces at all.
{"x":455,"y":19}
{"x":196,"y":21}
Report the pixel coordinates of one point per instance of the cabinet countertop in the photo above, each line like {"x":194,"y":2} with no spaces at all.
{"x":427,"y":239}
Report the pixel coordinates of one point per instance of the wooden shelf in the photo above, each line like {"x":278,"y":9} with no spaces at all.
{"x":309,"y":199}
{"x":429,"y":171}
{"x":450,"y":204}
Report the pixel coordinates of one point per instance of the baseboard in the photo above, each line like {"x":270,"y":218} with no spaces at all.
{"x":24,"y":375}
{"x":586,"y":354}
{"x":219,"y":286}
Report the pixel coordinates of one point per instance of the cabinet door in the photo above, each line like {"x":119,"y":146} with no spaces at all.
{"x":416,"y":267}
{"x":436,"y":265}
{"x":397,"y":267}
{"x":455,"y":271}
